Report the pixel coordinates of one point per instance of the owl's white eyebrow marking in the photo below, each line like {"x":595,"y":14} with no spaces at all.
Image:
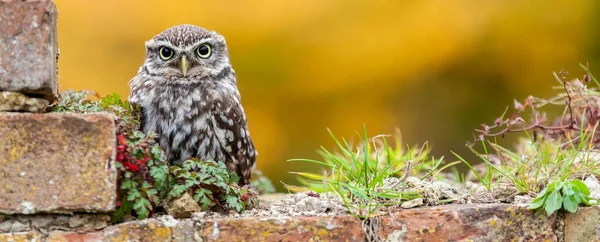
{"x":157,"y":43}
{"x":193,"y":46}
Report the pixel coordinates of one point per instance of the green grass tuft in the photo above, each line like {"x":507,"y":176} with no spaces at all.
{"x":358,"y":173}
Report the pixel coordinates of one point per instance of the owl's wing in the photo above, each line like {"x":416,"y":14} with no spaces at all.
{"x":231,"y":129}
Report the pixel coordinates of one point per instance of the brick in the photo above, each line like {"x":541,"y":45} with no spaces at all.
{"x":57,"y":162}
{"x":477,"y":222}
{"x":334,"y":228}
{"x":24,"y":236}
{"x":60,"y":236}
{"x":28,"y":48}
{"x":145,"y":230}
{"x":584,"y":225}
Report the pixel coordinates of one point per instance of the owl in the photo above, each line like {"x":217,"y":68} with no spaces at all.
{"x":188,"y":95}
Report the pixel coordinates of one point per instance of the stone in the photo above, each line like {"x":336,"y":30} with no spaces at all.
{"x":57,"y":163}
{"x":525,"y":199}
{"x":481,"y":196}
{"x":504,"y":192}
{"x":6,"y":225}
{"x":185,"y":231}
{"x":594,"y":186}
{"x":417,"y":202}
{"x":14,"y":101}
{"x":432,"y":193}
{"x":18,"y":226}
{"x":183,"y":207}
{"x":28,"y":48}
{"x":42,"y":222}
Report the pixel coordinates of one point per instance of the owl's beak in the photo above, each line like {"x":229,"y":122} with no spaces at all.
{"x":184,"y":65}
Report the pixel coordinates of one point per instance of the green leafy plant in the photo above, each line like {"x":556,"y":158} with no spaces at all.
{"x":139,"y":162}
{"x":211,"y":185}
{"x":127,"y":117}
{"x":562,"y":194}
{"x":357,"y":174}
{"x":76,"y":102}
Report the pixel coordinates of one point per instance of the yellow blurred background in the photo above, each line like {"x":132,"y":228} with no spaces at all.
{"x":434,"y":69}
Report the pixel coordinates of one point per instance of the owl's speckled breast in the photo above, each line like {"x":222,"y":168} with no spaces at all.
{"x":181,"y":119}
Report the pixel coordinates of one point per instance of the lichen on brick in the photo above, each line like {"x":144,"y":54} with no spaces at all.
{"x":66,"y":178}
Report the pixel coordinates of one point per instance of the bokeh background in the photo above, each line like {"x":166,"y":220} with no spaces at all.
{"x":435,"y":69}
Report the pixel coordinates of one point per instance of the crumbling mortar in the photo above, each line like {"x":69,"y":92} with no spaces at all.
{"x":371,"y":228}
{"x":45,"y":223}
{"x":559,"y":226}
{"x":198,"y":220}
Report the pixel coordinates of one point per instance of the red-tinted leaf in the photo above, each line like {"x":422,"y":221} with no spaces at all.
{"x":144,"y":160}
{"x":121,"y":139}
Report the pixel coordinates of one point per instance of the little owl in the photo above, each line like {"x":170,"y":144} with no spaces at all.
{"x":188,"y":95}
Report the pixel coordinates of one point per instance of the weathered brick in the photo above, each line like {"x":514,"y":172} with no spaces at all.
{"x":476,"y":222}
{"x":21,"y":237}
{"x":28,"y":47}
{"x":334,"y":228}
{"x":57,"y":162}
{"x":584,"y":225}
{"x":145,"y":230}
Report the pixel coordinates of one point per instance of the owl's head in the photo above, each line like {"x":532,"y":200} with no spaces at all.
{"x":187,"y":53}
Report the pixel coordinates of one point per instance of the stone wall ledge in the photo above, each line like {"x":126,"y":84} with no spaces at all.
{"x":466,"y":222}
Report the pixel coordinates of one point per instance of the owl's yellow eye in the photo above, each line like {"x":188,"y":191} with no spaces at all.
{"x":165,"y":53}
{"x":204,"y":51}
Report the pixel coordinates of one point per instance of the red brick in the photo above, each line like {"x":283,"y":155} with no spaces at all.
{"x":60,"y":236}
{"x":28,"y":47}
{"x":145,"y":230}
{"x":478,"y":222}
{"x":334,"y":228}
{"x":57,"y":162}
